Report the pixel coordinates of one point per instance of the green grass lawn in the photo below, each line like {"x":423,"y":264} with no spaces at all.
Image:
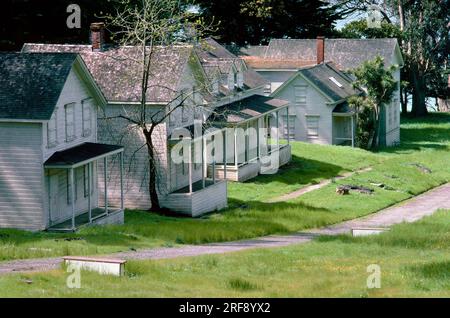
{"x":413,"y":259}
{"x":425,"y":142}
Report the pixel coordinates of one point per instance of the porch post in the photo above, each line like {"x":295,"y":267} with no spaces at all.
{"x":89,"y":191}
{"x":235,"y":148}
{"x":72,"y":193}
{"x":190,"y":166}
{"x":225,"y":154}
{"x":105,"y":173}
{"x":121,"y":182}
{"x":269,"y":130}
{"x":258,"y":128}
{"x":287,"y":125}
{"x":277,"y":113}
{"x":353,"y":132}
{"x":204,"y":165}
{"x":247,"y":145}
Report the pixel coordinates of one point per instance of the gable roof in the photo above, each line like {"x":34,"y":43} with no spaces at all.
{"x":117,"y":70}
{"x":30,"y":84}
{"x":346,"y":53}
{"x":257,"y":62}
{"x":327,"y":79}
{"x":213,"y":55}
{"x":247,"y":108}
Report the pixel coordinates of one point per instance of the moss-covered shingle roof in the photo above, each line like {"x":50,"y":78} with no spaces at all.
{"x":31,"y":83}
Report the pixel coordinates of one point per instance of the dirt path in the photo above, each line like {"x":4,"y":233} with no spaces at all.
{"x":313,"y":187}
{"x":407,"y":211}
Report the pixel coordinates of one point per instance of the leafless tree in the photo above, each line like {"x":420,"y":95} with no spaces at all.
{"x":149,"y":27}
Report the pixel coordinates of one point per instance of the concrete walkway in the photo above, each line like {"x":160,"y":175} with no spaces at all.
{"x":313,"y":187}
{"x":407,"y":211}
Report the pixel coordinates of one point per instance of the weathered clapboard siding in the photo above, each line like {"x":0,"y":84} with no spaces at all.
{"x":136,"y":175}
{"x":315,"y":106}
{"x":120,"y":131}
{"x":74,"y":91}
{"x":213,"y":197}
{"x":391,"y":117}
{"x":21,"y":176}
{"x":276,"y":78}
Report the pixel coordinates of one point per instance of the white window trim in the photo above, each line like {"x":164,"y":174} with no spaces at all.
{"x":300,"y":92}
{"x":240,"y":79}
{"x":53,"y":118}
{"x":316,"y":134}
{"x":70,"y":138}
{"x":86,"y":105}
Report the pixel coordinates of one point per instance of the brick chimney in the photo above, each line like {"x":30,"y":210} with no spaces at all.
{"x":97,"y":36}
{"x":320,"y":49}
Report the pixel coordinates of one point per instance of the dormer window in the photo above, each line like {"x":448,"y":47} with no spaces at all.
{"x":240,"y":79}
{"x":215,"y":87}
{"x":231,"y":80}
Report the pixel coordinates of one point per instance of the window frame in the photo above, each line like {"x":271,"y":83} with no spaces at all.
{"x":288,"y":119}
{"x":309,"y":128}
{"x":69,"y":138}
{"x":299,"y":98}
{"x":53,"y":118}
{"x":86,"y":105}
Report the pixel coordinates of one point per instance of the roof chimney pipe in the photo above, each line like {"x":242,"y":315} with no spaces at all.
{"x":320,"y":49}
{"x":97,"y":36}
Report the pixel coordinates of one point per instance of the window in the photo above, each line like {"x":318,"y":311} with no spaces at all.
{"x":288,"y":122}
{"x":312,"y":125}
{"x":240,"y":79}
{"x":231,"y":80}
{"x":267,"y":89}
{"x":215,"y":87}
{"x":87,"y":122}
{"x":70,"y":121}
{"x":52,"y":138}
{"x":300,"y":94}
{"x":184,"y":114}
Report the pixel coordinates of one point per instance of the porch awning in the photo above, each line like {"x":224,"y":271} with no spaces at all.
{"x":247,"y":108}
{"x":81,"y":155}
{"x":343,"y":109}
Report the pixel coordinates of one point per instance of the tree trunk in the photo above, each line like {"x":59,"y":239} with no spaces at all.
{"x":152,"y":183}
{"x":404,"y":100}
{"x":419,"y":107}
{"x":376,"y":132}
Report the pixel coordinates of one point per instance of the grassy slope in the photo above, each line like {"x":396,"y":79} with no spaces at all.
{"x":425,"y":142}
{"x":414,"y":261}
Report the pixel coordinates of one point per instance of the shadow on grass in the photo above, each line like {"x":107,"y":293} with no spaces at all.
{"x":432,"y":270}
{"x":423,"y":133}
{"x":300,"y":171}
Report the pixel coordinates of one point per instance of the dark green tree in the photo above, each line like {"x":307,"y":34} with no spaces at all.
{"x":359,"y":29}
{"x":379,"y":83}
{"x":424,"y":27}
{"x":257,"y":21}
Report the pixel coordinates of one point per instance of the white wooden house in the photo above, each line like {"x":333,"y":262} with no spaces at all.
{"x":48,"y":144}
{"x":210,"y":75}
{"x":283,"y":58}
{"x":321,"y":113}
